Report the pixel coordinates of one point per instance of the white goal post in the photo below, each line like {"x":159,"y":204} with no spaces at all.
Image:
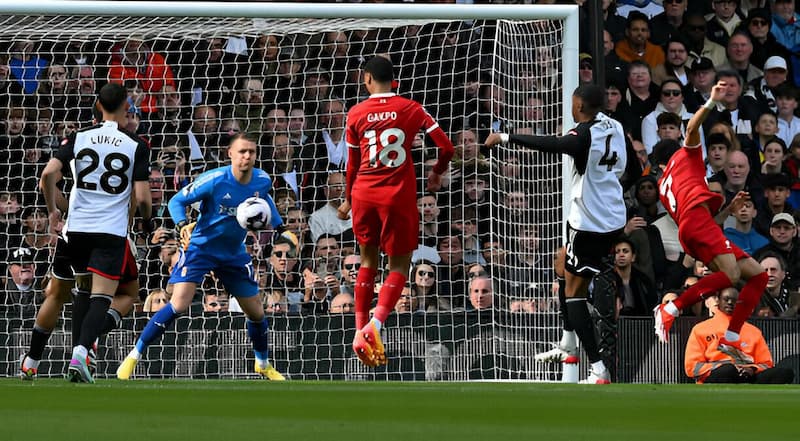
{"x":477,"y":68}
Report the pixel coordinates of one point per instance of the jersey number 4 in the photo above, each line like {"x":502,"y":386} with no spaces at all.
{"x":387,"y":147}
{"x":609,"y":159}
{"x":116,"y":165}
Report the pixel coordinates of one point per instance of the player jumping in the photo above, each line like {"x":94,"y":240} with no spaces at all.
{"x":381,"y":187}
{"x":684,"y":193}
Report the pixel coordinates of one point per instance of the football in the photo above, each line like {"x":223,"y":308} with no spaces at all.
{"x":253,"y":214}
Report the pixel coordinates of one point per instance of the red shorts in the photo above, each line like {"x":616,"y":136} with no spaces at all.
{"x":703,"y":239}
{"x":394,"y":228}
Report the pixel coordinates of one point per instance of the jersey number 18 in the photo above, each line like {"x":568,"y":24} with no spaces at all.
{"x":387,"y":147}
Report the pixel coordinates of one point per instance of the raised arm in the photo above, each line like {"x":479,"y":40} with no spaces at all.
{"x":569,"y":144}
{"x":696,"y":122}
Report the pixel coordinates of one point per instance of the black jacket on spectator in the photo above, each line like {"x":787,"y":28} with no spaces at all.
{"x":748,"y":111}
{"x":764,"y":216}
{"x":661,"y":31}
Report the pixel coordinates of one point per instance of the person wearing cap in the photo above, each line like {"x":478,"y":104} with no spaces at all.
{"x":776,"y":192}
{"x":674,"y":66}
{"x":22,"y":285}
{"x":763,"y":88}
{"x":758,"y":24}
{"x":585,"y":66}
{"x":783,"y":242}
{"x":701,"y":79}
{"x":636,"y":45}
{"x":784,"y":24}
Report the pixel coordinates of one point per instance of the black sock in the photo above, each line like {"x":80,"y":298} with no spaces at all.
{"x":582,"y":322}
{"x":562,"y":303}
{"x":94,"y":320}
{"x":80,"y":305}
{"x":39,"y":338}
{"x":113,"y":318}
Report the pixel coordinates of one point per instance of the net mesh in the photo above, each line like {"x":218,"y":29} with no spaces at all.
{"x":197,"y":81}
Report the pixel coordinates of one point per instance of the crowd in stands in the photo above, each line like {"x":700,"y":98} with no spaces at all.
{"x":481,"y":245}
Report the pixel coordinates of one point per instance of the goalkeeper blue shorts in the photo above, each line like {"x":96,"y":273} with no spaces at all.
{"x":236,"y":274}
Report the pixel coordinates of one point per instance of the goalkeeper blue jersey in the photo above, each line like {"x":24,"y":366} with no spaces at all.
{"x":219,"y":193}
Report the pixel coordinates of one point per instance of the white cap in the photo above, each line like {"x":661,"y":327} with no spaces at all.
{"x":775,"y":62}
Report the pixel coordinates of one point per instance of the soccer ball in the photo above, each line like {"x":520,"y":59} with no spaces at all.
{"x":253,"y":214}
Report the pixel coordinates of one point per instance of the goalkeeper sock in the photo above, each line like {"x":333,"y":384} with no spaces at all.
{"x":155,"y":327}
{"x":112,"y":321}
{"x":80,"y":306}
{"x":39,"y":338}
{"x":708,"y":284}
{"x":390,"y":293}
{"x":257,"y":331}
{"x":364,"y":292}
{"x":95,"y":318}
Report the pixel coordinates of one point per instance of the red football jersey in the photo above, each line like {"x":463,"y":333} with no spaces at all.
{"x":383,"y":128}
{"x":683,"y":185}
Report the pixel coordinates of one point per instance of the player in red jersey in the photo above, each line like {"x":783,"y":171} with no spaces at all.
{"x":381,"y":187}
{"x":684,"y":193}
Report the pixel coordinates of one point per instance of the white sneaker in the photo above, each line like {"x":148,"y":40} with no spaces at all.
{"x":557,"y":355}
{"x":595,"y":378}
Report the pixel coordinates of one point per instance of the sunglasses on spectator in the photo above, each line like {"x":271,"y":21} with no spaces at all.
{"x":423,"y":273}
{"x":670,"y":93}
{"x":281,"y":254}
{"x":674,"y":2}
{"x":213,"y":304}
{"x":352,"y":266}
{"x":474,"y":274}
{"x":758,"y":22}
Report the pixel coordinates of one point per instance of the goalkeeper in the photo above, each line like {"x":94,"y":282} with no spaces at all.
{"x":217,"y":243}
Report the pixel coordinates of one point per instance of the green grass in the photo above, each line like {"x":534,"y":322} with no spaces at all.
{"x":145,"y":410}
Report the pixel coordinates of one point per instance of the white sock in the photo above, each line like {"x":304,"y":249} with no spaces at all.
{"x":731,"y":336}
{"x":569,"y":372}
{"x":79,"y":352}
{"x":30,"y":363}
{"x":377,"y":322}
{"x":672,"y":309}
{"x":569,"y":340}
{"x":135,"y":354}
{"x":598,"y":367}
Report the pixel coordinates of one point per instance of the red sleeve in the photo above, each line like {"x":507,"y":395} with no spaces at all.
{"x":354,"y":161}
{"x":441,"y":140}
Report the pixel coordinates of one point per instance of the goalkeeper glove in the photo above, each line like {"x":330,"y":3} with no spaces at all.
{"x":186,"y":230}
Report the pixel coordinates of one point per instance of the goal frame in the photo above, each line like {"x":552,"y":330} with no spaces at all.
{"x":567,"y":13}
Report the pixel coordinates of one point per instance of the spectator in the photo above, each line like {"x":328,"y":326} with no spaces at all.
{"x":705,"y":363}
{"x":724,"y":22}
{"x":774,"y":152}
{"x":25,"y":66}
{"x":743,"y":234}
{"x":667,"y":24}
{"x":429,"y":218}
{"x":481,"y":293}
{"x":215,"y":303}
{"x":331,"y":133}
{"x":635,"y":291}
{"x":296,"y":126}
{"x":276,"y":303}
{"x":133,"y":60}
{"x":325,"y":219}
{"x":450,"y":272}
{"x":701,"y":79}
{"x":775,"y":301}
{"x":671,"y":100}
{"x":408,"y":302}
{"x":616,"y":69}
{"x":296,"y":221}
{"x":718,"y":146}
{"x":22,"y":286}
{"x":739,"y":50}
{"x":585,"y":69}
{"x":343,"y":303}
{"x":765,"y":130}
{"x":695,"y":30}
{"x":426,"y":287}
{"x":283,"y":273}
{"x":784,"y":27}
{"x":636,"y":45}
{"x":316,"y":90}
{"x":349,"y":271}
{"x":641,"y":97}
{"x":776,"y":193}
{"x":264,"y":57}
{"x":764,"y":43}
{"x":156,"y":300}
{"x":643,"y":158}
{"x":249,"y":107}
{"x":740,"y":112}
{"x":677,"y":56}
{"x":786,"y":102}
{"x":783,"y":242}
{"x":763,"y":88}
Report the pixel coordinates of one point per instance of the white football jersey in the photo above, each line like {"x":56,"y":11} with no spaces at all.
{"x":105,"y":162}
{"x":597,"y":202}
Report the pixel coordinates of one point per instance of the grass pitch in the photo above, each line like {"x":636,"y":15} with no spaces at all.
{"x":144,"y":410}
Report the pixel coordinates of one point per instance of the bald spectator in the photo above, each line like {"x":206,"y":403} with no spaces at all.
{"x":342,"y":303}
{"x":636,"y":45}
{"x":481,"y":293}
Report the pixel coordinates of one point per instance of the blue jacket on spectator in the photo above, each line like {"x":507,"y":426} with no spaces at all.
{"x":788,"y":35}
{"x":28,"y":72}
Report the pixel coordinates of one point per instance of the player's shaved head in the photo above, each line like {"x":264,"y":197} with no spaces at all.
{"x":593,"y":97}
{"x":112,"y":96}
{"x":380,"y":68}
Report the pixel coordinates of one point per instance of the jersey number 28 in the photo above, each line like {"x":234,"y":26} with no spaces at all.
{"x":387,"y":147}
{"x":116,"y":165}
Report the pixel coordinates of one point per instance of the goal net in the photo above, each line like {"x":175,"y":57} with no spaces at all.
{"x":487,"y":239}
